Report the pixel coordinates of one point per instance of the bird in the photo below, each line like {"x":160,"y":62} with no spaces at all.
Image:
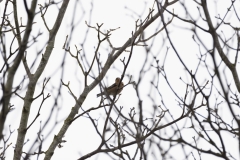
{"x":115,"y":88}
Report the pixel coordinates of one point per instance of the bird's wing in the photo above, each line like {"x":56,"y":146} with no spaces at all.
{"x":112,"y":86}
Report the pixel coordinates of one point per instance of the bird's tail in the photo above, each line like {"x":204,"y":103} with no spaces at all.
{"x":98,"y":95}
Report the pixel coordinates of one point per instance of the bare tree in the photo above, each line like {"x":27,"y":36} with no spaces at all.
{"x":186,"y":88}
